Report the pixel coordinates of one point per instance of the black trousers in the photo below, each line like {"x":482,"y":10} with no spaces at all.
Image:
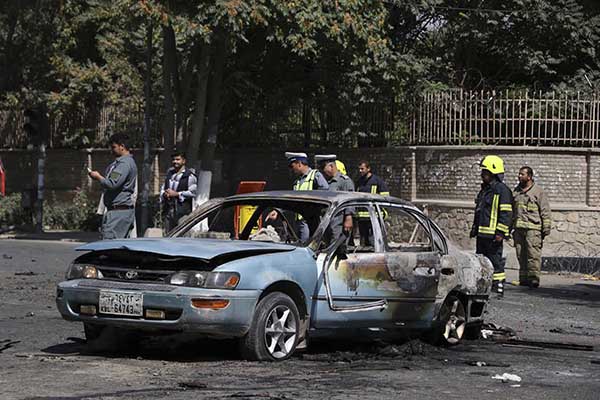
{"x":492,"y":250}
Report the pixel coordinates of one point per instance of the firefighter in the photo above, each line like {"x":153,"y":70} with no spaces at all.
{"x":493,"y":217}
{"x":368,"y":183}
{"x":532,"y":223}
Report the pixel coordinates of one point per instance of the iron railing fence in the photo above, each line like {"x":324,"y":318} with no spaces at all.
{"x":507,"y":118}
{"x":433,"y":118}
{"x":81,"y":126}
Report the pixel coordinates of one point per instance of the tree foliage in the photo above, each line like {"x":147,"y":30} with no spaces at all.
{"x":223,"y":66}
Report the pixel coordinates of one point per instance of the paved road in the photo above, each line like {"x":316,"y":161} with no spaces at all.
{"x":49,"y":359}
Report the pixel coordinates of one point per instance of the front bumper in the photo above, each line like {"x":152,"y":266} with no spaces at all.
{"x":231,"y":321}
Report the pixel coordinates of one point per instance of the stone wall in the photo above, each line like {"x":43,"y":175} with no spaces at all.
{"x":442,"y":179}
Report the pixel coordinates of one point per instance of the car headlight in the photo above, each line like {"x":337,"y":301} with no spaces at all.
{"x":211,"y":280}
{"x":83,"y":271}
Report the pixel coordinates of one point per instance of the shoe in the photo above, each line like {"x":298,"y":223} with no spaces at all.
{"x":498,"y":287}
{"x":520,"y":283}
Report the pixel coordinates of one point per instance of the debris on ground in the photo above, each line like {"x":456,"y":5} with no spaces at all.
{"x":193,"y":385}
{"x":405,"y":350}
{"x":595,"y":361}
{"x":25,"y":273}
{"x":6,"y":344}
{"x":506,"y":377}
{"x":547,"y":345}
{"x":493,"y":332}
{"x":486,"y":364}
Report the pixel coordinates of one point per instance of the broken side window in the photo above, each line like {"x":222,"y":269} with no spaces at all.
{"x":403,"y":231}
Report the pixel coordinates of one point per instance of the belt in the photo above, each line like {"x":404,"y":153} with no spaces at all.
{"x":111,"y":208}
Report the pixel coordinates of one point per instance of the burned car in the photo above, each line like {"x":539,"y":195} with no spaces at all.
{"x":237,"y":268}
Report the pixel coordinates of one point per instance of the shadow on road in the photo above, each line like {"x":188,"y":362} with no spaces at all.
{"x":167,"y":348}
{"x":581,"y":294}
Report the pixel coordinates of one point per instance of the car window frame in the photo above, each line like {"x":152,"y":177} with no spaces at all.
{"x":377,"y":232}
{"x":420,"y":218}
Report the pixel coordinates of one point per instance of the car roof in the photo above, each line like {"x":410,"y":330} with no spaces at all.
{"x":322,"y":195}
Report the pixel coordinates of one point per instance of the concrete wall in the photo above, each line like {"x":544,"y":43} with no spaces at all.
{"x":442,"y":179}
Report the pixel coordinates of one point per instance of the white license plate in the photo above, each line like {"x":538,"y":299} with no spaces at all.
{"x":121,"y":303}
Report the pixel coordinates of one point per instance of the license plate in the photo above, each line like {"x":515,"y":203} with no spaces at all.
{"x":121,"y":303}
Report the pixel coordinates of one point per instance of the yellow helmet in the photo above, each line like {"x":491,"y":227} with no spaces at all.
{"x":494,"y":164}
{"x":340,"y":166}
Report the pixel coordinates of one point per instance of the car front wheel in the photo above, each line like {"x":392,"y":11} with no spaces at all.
{"x":274,"y":333}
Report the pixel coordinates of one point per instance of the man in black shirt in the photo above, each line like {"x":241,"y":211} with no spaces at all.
{"x":368,"y":182}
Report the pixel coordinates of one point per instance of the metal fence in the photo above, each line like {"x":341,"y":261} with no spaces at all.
{"x":508,"y":118}
{"x":443,"y":117}
{"x":79,"y":127}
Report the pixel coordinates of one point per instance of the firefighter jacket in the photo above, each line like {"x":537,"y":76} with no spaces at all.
{"x":372,"y":184}
{"x":493,"y":210}
{"x":532,"y":209}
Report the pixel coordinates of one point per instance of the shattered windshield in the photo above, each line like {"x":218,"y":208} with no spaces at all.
{"x":279,"y":221}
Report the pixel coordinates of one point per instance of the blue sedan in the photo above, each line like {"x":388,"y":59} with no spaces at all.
{"x":237,"y":268}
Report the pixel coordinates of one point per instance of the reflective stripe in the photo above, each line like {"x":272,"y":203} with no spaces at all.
{"x":500,"y":276}
{"x":363,"y":214}
{"x":385,"y":193}
{"x":502,"y":228}
{"x":527,"y":225}
{"x":491,"y":229}
{"x":505,"y":207}
{"x":527,"y":206}
{"x":373,"y":189}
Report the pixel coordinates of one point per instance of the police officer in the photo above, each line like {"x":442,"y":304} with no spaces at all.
{"x":308,"y":179}
{"x":368,"y":182}
{"x":338,"y":182}
{"x":118,"y":184}
{"x":178,"y":192}
{"x":493,"y":217}
{"x":532,"y":223}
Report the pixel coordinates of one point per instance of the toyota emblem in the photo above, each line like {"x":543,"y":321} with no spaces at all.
{"x":131,"y":274}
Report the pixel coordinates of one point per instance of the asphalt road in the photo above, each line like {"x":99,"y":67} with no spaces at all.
{"x":44,"y":357}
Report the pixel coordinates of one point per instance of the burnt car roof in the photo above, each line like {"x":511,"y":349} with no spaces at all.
{"x":321,"y":195}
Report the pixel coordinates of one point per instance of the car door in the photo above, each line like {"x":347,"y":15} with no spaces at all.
{"x":413,"y":263}
{"x":346,"y":295}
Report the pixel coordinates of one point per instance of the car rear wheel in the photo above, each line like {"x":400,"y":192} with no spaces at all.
{"x":451,"y":322}
{"x":275,"y":329}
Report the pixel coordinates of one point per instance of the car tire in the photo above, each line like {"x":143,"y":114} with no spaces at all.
{"x":451,"y":324}
{"x":275,"y":329}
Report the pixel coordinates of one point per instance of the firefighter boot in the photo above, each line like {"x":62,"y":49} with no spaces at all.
{"x":498,"y":288}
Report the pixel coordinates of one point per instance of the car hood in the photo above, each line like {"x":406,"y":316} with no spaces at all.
{"x":206,"y":249}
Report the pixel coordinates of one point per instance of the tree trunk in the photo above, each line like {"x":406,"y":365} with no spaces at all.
{"x":200,"y":107}
{"x":215,"y":91}
{"x":215,"y":105}
{"x":169,"y":109}
{"x":147,"y":166}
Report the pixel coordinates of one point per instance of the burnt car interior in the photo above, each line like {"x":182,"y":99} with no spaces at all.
{"x":261,"y":220}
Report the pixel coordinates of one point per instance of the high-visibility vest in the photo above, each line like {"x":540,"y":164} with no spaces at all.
{"x":308,"y":183}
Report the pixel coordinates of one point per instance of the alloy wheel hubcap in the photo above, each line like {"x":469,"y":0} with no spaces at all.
{"x":455,"y":327}
{"x":280,"y":332}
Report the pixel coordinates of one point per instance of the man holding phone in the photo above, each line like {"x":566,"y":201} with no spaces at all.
{"x":118,"y":184}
